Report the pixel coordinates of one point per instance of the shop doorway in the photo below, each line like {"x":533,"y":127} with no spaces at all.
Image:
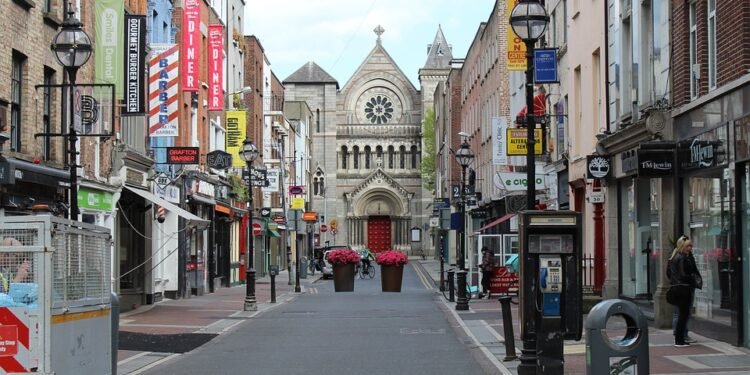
{"x":379,"y":233}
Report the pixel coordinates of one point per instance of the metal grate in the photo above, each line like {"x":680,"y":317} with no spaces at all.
{"x":81,"y":267}
{"x":19,"y":282}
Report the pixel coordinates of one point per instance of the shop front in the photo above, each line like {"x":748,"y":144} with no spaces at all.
{"x":201,"y":260}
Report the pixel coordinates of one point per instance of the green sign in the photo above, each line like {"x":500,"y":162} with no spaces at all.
{"x":109,"y":46}
{"x":95,"y":199}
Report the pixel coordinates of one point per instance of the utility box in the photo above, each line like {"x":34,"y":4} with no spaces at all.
{"x":55,"y":298}
{"x":627,"y":355}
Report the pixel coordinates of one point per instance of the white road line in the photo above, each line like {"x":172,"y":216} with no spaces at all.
{"x":503,"y":370}
{"x":126,"y":360}
{"x":154,"y":364}
{"x":162,"y":325}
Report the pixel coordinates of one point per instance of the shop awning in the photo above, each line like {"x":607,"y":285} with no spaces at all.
{"x":494,"y":222}
{"x":191,"y":219}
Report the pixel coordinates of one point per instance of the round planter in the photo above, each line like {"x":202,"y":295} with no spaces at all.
{"x":343,"y":277}
{"x":391,"y":278}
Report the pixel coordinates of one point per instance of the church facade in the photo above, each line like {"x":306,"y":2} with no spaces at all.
{"x":367,"y":151}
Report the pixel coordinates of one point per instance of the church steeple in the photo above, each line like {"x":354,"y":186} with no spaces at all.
{"x":439,"y":53}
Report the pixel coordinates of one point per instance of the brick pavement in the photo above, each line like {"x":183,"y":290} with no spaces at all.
{"x":707,"y":356}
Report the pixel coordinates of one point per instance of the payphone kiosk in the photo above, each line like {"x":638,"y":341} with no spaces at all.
{"x":550,"y":294}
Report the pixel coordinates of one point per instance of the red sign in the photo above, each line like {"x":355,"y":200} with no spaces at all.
{"x":191,"y":38}
{"x":8,"y":340}
{"x":503,"y":281}
{"x":215,"y":48}
{"x":183,"y":155}
{"x":323,"y":228}
{"x":256,"y":229}
{"x":310,"y":216}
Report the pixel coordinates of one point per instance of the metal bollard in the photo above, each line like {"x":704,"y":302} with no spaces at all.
{"x":274,"y":270}
{"x":510,"y":340}
{"x":628,"y":355}
{"x":451,"y":286}
{"x":114,"y":312}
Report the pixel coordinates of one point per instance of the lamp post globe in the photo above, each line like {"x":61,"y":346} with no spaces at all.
{"x":249,"y":151}
{"x":529,"y":20}
{"x":464,"y":156}
{"x":72,"y":48}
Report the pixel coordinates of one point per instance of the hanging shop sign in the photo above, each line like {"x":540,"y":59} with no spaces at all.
{"x":272,"y":176}
{"x":135,"y":63}
{"x":108,"y":49}
{"x":597,"y":166}
{"x":162,"y":180}
{"x":236,"y":133}
{"x":215,"y":71}
{"x":183,"y":155}
{"x":655,"y":163}
{"x":219,"y":160}
{"x":516,"y":47}
{"x":95,"y":199}
{"x":265,"y":212}
{"x":296,"y":190}
{"x":310,"y":216}
{"x":298,"y":203}
{"x":499,"y":151}
{"x":163,"y":70}
{"x":517,"y":141}
{"x":545,"y":65}
{"x":697,"y":153}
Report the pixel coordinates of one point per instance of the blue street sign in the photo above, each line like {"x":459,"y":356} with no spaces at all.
{"x":545,"y":65}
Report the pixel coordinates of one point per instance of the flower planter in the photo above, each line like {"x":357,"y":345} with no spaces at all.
{"x":391,"y":278}
{"x":343,"y":277}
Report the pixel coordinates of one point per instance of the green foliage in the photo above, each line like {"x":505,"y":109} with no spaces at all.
{"x":238,"y":187}
{"x":428,"y":152}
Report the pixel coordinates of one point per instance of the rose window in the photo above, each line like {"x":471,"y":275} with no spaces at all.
{"x":379,"y":110}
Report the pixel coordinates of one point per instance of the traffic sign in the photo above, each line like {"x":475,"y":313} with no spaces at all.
{"x":323,"y":228}
{"x":257,"y":229}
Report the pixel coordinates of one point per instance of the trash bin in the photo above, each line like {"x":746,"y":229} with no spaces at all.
{"x":627,"y":355}
{"x":303,"y":267}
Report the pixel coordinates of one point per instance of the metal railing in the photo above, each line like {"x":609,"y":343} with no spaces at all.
{"x":587,"y":273}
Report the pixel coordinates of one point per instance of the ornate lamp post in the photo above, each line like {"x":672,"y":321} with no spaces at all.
{"x":249,"y":153}
{"x":529,"y":21}
{"x":464,"y":157}
{"x":72,"y":48}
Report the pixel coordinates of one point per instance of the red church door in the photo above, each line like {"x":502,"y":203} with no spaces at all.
{"x":379,"y":233}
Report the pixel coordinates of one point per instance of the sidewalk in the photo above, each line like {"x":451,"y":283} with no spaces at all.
{"x":154,"y":333}
{"x":483,"y":321}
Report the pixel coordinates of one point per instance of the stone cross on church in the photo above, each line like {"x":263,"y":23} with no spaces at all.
{"x":379,"y":31}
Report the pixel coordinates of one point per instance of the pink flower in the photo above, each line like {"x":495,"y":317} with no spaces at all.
{"x":391,"y":258}
{"x":343,"y":256}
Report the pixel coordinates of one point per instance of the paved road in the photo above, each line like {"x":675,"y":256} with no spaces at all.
{"x":323,"y":332}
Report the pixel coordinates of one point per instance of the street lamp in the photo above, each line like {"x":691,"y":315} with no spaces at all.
{"x":529,"y":21}
{"x":464,"y":157}
{"x":249,"y":153}
{"x":72,"y":48}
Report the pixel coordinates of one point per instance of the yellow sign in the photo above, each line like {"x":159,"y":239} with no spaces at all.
{"x":517,"y":141}
{"x":298,"y":203}
{"x":516,"y":46}
{"x":236,"y":133}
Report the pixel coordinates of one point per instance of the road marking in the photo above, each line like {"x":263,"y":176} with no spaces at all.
{"x":162,"y":325}
{"x":312,"y":290}
{"x":126,"y":360}
{"x":422,"y":277}
{"x":487,"y":353}
{"x":154,"y":364}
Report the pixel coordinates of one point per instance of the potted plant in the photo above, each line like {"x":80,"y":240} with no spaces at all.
{"x":391,"y":269}
{"x":343,"y":261}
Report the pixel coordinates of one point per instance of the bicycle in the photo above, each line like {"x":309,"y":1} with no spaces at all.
{"x":472,"y":291}
{"x":362,"y":272}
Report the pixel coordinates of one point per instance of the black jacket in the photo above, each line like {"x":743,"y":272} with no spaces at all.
{"x":679,"y":270}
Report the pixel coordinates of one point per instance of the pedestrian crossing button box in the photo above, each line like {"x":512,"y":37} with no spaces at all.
{"x":273,"y":270}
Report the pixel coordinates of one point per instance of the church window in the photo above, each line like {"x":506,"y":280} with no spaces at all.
{"x":344,"y":157}
{"x":315,"y":186}
{"x":414,"y":157}
{"x":355,"y":154}
{"x":402,"y":162}
{"x":367,"y":157}
{"x":390,"y":157}
{"x":322,"y":184}
{"x":379,"y":109}
{"x":379,"y":151}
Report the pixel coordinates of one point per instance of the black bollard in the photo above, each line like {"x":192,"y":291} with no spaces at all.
{"x":273,"y":273}
{"x":510,"y":341}
{"x":451,"y":286}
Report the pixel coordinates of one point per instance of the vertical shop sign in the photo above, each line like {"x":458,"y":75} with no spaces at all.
{"x":191,"y":38}
{"x":215,"y":52}
{"x":135,"y":31}
{"x":236,"y":133}
{"x":109,"y":43}
{"x":162,"y":90}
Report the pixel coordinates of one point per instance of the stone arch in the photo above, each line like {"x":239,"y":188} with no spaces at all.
{"x":380,"y":202}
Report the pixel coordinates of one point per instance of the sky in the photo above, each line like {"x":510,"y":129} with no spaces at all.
{"x":338,"y":34}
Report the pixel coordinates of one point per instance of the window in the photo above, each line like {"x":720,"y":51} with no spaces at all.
{"x":355,"y":153}
{"x":47,"y":6}
{"x":367,"y":157}
{"x":344,"y":157}
{"x":49,"y":79}
{"x":322,"y":183}
{"x":16,"y":83}
{"x":402,"y":162}
{"x":711,"y":44}
{"x":414,"y":157}
{"x":379,"y":151}
{"x":693,"y":52}
{"x":390,"y":156}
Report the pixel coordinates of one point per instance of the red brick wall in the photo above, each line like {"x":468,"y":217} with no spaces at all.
{"x":732,"y":50}
{"x":454,"y":82}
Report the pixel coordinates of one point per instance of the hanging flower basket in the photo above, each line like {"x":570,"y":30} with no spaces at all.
{"x":391,"y":270}
{"x":343,"y":262}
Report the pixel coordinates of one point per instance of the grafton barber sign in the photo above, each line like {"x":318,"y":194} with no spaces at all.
{"x":191,"y":37}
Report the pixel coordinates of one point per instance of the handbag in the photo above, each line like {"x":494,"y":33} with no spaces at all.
{"x":677,"y":293}
{"x":697,"y":281}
